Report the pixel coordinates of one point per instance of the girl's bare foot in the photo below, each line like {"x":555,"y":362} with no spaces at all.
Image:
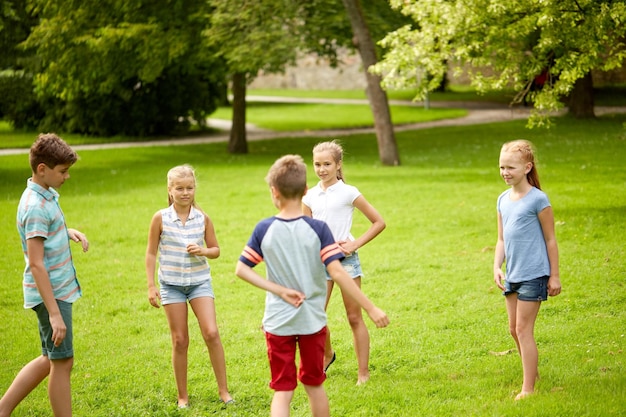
{"x":523,"y":395}
{"x":226,"y":398}
{"x":363,"y":379}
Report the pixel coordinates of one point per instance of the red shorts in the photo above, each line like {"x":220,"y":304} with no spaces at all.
{"x":281,"y":351}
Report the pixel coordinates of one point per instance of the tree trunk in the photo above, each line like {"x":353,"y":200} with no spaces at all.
{"x":237,"y":142}
{"x":580,"y":101}
{"x":387,"y":148}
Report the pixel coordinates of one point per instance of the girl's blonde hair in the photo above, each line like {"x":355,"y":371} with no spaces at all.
{"x":177,"y":173}
{"x":526,"y":151}
{"x":335,"y":150}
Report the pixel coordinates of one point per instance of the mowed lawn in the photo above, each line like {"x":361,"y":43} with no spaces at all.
{"x":430,"y":270}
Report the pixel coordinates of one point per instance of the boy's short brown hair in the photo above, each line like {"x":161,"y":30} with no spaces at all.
{"x":51,"y":150}
{"x":288,"y":175}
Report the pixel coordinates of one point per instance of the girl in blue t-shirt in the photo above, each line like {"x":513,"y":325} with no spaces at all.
{"x":526,"y":240}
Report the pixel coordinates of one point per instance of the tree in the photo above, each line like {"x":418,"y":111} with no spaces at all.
{"x":250,"y":36}
{"x":387,"y":148}
{"x":123,"y":66}
{"x":505,"y":44}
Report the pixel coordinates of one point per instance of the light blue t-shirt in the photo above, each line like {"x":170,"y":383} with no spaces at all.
{"x":524,"y":245}
{"x":39,"y":216}
{"x":295,"y":252}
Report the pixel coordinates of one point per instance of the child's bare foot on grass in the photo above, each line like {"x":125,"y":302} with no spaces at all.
{"x":363,"y":379}
{"x":523,"y":395}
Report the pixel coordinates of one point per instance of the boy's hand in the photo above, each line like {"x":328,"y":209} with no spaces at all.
{"x":378,"y":317}
{"x":58,"y":329}
{"x":293,"y":297}
{"x":77,"y":236}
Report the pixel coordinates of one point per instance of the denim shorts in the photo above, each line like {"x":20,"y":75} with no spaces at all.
{"x":533,"y":290}
{"x":66,"y":349}
{"x":171,"y":294}
{"x":352,"y":265}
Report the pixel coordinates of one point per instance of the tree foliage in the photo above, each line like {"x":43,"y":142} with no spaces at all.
{"x":123,"y":66}
{"x":502,"y":44}
{"x":251,"y":36}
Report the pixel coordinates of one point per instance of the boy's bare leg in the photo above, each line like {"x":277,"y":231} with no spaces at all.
{"x":59,"y":387}
{"x":29,"y":377}
{"x":281,"y":403}
{"x":328,"y":349}
{"x":318,"y":400}
{"x":360,"y":335}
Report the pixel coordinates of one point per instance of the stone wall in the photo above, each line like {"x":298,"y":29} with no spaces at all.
{"x":313,"y":73}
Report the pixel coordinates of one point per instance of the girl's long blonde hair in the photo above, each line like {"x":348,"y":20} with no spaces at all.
{"x":335,"y":150}
{"x":526,"y":151}
{"x":176,"y":173}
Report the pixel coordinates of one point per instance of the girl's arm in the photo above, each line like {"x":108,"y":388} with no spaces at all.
{"x":546,"y":218}
{"x":212,"y":250}
{"x":154,"y":235}
{"x":377,"y":225}
{"x":306,"y":210}
{"x":293,"y":297}
{"x":498,"y":258}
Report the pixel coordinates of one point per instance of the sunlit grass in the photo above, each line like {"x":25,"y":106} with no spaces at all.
{"x":430,"y":270}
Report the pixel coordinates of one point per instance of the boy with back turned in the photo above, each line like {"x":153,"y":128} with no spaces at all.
{"x":49,"y":283}
{"x":296,"y":250}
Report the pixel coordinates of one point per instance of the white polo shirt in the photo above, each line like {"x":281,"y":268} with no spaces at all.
{"x":334,"y":206}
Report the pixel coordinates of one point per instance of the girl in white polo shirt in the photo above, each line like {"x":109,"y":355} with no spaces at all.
{"x":334,"y":201}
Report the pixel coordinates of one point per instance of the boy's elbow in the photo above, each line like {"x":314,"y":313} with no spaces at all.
{"x":239,"y":269}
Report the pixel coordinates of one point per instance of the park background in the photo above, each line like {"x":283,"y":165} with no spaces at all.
{"x":447,"y":351}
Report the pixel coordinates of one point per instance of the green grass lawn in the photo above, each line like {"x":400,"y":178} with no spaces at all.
{"x":430,"y":270}
{"x":273,"y":116}
{"x":294,"y":117}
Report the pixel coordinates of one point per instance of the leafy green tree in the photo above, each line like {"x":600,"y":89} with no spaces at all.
{"x":387,"y":147}
{"x":251,"y":36}
{"x":124,"y":66}
{"x":18,"y":102}
{"x":505,"y":44}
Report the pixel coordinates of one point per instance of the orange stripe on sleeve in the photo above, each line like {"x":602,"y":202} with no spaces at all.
{"x":251,"y":255}
{"x":329,"y":251}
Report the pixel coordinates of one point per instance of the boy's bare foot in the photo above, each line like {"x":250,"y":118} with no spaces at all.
{"x":523,"y":395}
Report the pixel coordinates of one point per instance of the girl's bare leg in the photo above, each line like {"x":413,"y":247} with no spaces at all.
{"x":522,"y":317}
{"x":177,"y":318}
{"x":204,"y":309}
